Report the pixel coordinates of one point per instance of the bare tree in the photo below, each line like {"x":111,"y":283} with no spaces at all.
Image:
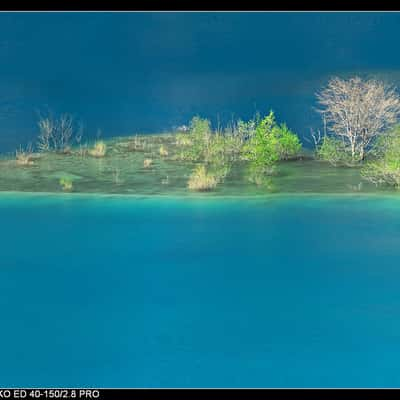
{"x":358,"y":111}
{"x":58,"y":133}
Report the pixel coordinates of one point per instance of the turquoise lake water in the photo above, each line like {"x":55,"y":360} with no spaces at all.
{"x":299,"y":291}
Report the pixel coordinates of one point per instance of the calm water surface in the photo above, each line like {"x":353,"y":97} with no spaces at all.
{"x":129,"y":292}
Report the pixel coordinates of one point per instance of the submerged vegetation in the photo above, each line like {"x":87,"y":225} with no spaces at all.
{"x":259,"y":155}
{"x":66,"y":184}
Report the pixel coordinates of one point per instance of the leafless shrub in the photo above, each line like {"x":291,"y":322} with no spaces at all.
{"x":24,"y":156}
{"x":46,"y":135}
{"x":316,"y":138}
{"x":58,"y":133}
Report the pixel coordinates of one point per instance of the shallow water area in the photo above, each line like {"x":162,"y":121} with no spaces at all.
{"x":122,"y":171}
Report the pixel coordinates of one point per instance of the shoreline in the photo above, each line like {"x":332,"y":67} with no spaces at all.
{"x":196,"y":196}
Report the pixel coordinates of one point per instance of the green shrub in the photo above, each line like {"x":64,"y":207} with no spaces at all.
{"x":194,"y":143}
{"x":200,"y":128}
{"x":183,"y":139}
{"x":386,"y":144}
{"x":385,"y":167}
{"x":261,"y":141}
{"x":201,"y":144}
{"x":271,"y":142}
{"x":288,"y":142}
{"x":261,"y":149}
{"x":380,"y":172}
{"x":244,"y":130}
{"x":66,"y":184}
{"x":335,"y":152}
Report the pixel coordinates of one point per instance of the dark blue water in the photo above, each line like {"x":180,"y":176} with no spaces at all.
{"x":114,"y":292}
{"x":141,"y":72}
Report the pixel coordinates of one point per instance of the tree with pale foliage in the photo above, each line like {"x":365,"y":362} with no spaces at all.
{"x":357,"y":111}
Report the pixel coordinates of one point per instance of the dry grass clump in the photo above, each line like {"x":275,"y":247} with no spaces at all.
{"x":147,"y":162}
{"x":201,"y":181}
{"x":163,"y":151}
{"x":24,"y":156}
{"x":99,"y":149}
